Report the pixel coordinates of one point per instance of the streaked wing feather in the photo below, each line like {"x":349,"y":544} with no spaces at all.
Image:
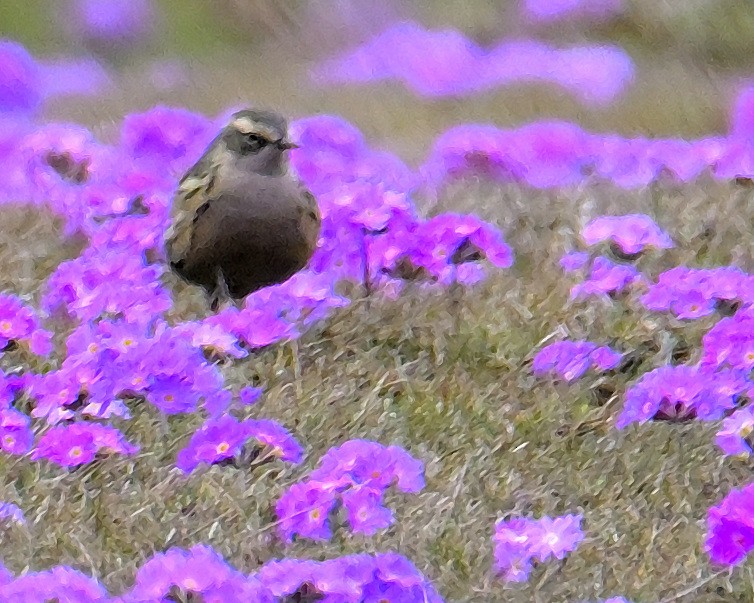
{"x":191,"y":196}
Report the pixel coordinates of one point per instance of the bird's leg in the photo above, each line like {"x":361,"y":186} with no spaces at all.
{"x":220,"y":293}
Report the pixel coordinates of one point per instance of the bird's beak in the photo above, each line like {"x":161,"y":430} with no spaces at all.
{"x":284,"y":145}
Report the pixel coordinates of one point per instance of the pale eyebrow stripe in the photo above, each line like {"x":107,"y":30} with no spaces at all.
{"x":247,"y":126}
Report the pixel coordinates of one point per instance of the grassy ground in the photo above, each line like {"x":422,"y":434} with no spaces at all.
{"x":457,"y":394}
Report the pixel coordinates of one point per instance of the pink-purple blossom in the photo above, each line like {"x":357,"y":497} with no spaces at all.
{"x":75,"y":444}
{"x":519,"y":540}
{"x":736,"y":436}
{"x":730,"y":527}
{"x":571,"y":359}
{"x":446,"y":63}
{"x":631,"y":233}
{"x":354,"y":475}
{"x":226,"y":437}
{"x":682,"y":393}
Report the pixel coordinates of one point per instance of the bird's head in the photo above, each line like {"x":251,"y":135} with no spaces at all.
{"x":258,"y":141}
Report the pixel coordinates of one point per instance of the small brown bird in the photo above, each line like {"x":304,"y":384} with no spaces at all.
{"x":240,"y":222}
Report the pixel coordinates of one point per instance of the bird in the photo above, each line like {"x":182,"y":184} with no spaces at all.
{"x":239,"y":221}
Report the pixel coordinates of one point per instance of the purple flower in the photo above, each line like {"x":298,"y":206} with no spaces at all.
{"x":113,"y":23}
{"x":173,"y":395}
{"x":382,"y":577}
{"x":692,"y":293}
{"x":276,"y":438}
{"x":735,"y":436}
{"x":595,"y":75}
{"x":196,"y":571}
{"x":606,"y":278}
{"x":742,"y":115}
{"x":16,"y":436}
{"x":304,"y":510}
{"x":60,"y":583}
{"x":730,"y":343}
{"x":20,"y":89}
{"x":12,"y":512}
{"x":632,"y":233}
{"x":571,"y":359}
{"x":372,"y":464}
{"x":19,"y":323}
{"x":445,"y":63}
{"x":78,"y":443}
{"x":679,"y":393}
{"x":430,"y":63}
{"x":355,"y":475}
{"x":213,"y":338}
{"x":573,"y":261}
{"x":249,"y":395}
{"x":365,"y":510}
{"x":216,"y":440}
{"x":512,"y":556}
{"x":224,"y":437}
{"x":104,"y":282}
{"x":730,"y":535}
{"x":518,"y":540}
{"x":333,"y":154}
{"x":446,"y":241}
{"x":556,"y":536}
{"x":169,"y":134}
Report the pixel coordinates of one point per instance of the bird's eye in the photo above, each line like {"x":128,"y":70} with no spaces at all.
{"x":253,"y":143}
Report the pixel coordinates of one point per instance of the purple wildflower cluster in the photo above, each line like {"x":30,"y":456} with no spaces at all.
{"x":371,"y":232}
{"x":21,"y":324}
{"x":200,"y":573}
{"x":695,"y":292}
{"x":631,"y":233}
{"x":518,"y":541}
{"x":12,"y":512}
{"x":76,"y":444}
{"x":604,"y":278}
{"x":60,"y":583}
{"x":551,"y":154}
{"x":571,"y":359}
{"x":446,"y":63}
{"x":736,"y":437}
{"x":367,"y":578}
{"x":121,"y":350}
{"x":682,"y":393}
{"x":718,"y":387}
{"x":730,"y":525}
{"x":197,"y":571}
{"x":730,"y":342}
{"x":354,"y":475}
{"x":224,"y":438}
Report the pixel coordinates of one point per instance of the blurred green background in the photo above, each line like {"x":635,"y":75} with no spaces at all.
{"x":692,"y":57}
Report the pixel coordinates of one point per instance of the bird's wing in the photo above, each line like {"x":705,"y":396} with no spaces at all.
{"x":190,"y":201}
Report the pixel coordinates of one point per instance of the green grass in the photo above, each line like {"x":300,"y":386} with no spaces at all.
{"x":460,"y":396}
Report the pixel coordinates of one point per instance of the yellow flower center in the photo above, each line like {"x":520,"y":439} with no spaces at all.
{"x":76,"y":451}
{"x":223,"y":447}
